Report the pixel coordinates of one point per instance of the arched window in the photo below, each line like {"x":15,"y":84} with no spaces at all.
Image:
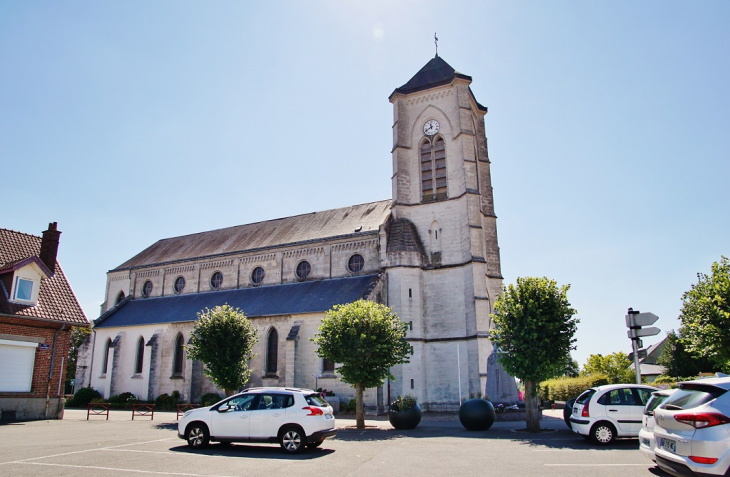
{"x":433,"y":169}
{"x":436,"y":238}
{"x":177,"y":364}
{"x":140,"y":356}
{"x":272,"y":351}
{"x":120,"y":297}
{"x":106,"y":355}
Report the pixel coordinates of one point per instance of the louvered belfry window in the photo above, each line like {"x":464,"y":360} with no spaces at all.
{"x":433,"y":170}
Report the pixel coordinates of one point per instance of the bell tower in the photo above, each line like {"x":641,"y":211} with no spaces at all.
{"x":442,"y":254}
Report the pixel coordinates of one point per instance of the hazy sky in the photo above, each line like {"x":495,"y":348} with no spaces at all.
{"x":608,"y":127}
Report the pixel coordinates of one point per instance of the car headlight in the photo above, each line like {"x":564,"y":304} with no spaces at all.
{"x":187,"y":413}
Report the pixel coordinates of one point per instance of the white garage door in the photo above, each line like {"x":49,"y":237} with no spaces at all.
{"x":17,"y":358}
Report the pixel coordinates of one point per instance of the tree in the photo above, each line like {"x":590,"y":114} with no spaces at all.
{"x":223,"y":340}
{"x":78,"y":336}
{"x":615,"y":365}
{"x":688,"y":364}
{"x":705,"y":315}
{"x":572,"y":368}
{"x":533,"y":333}
{"x":366,"y":339}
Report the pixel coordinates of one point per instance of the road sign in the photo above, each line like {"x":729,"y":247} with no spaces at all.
{"x":638,"y":333}
{"x":641,"y":319}
{"x":642,"y":355}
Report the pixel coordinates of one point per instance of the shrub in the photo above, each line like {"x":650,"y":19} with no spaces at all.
{"x":123,"y":398}
{"x":167,"y":402}
{"x":403,"y":403}
{"x":84,"y":396}
{"x":352,"y":405}
{"x":209,"y":399}
{"x":562,"y":389}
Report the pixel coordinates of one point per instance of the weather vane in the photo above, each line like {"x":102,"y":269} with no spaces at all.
{"x":436,"y":42}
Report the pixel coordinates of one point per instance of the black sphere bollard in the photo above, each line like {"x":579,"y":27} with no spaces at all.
{"x":477,"y":414}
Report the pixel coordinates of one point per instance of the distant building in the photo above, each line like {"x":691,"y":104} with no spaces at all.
{"x":648,"y":367}
{"x":430,"y":253}
{"x":37,"y":311}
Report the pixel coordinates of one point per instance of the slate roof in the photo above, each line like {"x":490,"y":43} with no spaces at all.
{"x":403,"y":237}
{"x":436,"y":72}
{"x":355,"y":220}
{"x":56,"y":299}
{"x":287,"y":299}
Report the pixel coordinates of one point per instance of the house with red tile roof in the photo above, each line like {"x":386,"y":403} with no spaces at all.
{"x":38,"y":309}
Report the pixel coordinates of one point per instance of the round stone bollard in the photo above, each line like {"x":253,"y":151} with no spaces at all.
{"x":477,"y":414}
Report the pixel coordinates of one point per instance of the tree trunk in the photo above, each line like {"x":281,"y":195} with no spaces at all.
{"x":532,"y":412}
{"x":359,"y":407}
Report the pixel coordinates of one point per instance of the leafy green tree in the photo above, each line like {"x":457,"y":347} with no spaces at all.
{"x":688,"y":364}
{"x":366,"y":339}
{"x":534,"y":328}
{"x":572,"y":368}
{"x":78,"y":336}
{"x":615,"y":365}
{"x":223,"y":340}
{"x":705,"y":315}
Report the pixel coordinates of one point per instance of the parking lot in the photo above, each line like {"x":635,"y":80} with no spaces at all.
{"x":439,"y":446}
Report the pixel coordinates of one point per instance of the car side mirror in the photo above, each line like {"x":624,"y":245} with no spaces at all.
{"x":224,"y":408}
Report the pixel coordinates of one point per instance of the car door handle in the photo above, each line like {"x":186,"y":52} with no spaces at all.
{"x":613,"y":410}
{"x":276,"y":415}
{"x":244,"y":416}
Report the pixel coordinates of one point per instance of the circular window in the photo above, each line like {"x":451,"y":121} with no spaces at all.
{"x":303,"y":270}
{"x":216,"y":280}
{"x":356,"y":263}
{"x":257,"y":276}
{"x":147,"y":289}
{"x":179,"y":284}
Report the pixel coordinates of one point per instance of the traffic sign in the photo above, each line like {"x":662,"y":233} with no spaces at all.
{"x":637,"y":333}
{"x":641,"y":319}
{"x":641,"y":353}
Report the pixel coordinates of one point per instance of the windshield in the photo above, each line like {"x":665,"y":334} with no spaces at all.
{"x":585,"y":396}
{"x":692,"y":395}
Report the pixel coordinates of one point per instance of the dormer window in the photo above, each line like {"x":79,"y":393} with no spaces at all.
{"x":23,"y":290}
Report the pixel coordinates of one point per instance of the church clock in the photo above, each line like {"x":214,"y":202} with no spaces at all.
{"x":431,"y":127}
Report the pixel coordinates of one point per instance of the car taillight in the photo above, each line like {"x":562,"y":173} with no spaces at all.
{"x":585,"y":412}
{"x":702,"y":460}
{"x":313,"y":411}
{"x":700,"y":420}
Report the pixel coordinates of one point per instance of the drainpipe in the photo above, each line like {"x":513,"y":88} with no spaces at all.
{"x":50,"y":372}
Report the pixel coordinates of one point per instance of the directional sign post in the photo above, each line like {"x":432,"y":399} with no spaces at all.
{"x":634,"y":321}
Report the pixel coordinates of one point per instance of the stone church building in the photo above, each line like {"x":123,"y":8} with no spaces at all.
{"x":430,"y":253}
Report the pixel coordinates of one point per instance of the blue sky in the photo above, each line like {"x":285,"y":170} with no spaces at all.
{"x":608,"y":128}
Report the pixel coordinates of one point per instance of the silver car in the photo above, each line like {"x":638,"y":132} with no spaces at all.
{"x":646,"y":434}
{"x":692,"y":429}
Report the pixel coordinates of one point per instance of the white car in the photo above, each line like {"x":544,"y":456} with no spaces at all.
{"x":692,"y":429}
{"x":293,"y":417}
{"x":646,"y":434}
{"x":606,"y":412}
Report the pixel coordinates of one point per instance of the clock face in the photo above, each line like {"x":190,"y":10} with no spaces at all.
{"x":431,"y":127}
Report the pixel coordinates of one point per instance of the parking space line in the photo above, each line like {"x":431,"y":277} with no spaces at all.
{"x":596,"y":465}
{"x":136,"y":471}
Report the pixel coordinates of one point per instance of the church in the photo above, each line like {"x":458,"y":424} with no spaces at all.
{"x":430,"y":253}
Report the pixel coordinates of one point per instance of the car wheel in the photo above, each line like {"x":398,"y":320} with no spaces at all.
{"x":292,"y":440}
{"x":603,"y":433}
{"x":312,"y":445}
{"x":197,"y":435}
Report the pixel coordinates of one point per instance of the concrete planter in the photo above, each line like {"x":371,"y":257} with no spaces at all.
{"x":405,"y":419}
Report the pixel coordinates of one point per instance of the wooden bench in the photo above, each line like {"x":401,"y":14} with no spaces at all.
{"x":182,"y":408}
{"x":97,"y":409}
{"x":143,"y":410}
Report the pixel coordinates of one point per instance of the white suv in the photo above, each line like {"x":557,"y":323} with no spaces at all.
{"x":692,"y":429}
{"x":293,"y":417}
{"x":606,"y":412}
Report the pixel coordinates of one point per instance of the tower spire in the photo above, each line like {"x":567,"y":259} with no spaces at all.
{"x":436,"y":42}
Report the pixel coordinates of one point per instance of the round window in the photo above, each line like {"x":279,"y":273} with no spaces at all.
{"x":216,"y":280}
{"x":147,"y":289}
{"x":303,"y":270}
{"x":257,"y":276}
{"x":179,"y":284}
{"x":356,"y":263}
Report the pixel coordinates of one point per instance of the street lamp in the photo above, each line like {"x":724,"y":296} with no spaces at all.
{"x":674,"y":352}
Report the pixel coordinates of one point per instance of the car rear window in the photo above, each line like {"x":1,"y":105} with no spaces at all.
{"x":315,"y":400}
{"x":692,"y":395}
{"x":653,"y":403}
{"x":585,"y":396}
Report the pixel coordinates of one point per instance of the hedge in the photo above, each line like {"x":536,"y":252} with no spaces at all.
{"x":562,"y":389}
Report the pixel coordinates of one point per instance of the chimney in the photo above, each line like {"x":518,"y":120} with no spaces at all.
{"x":49,"y":246}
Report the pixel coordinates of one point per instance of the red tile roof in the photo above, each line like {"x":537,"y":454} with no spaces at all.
{"x":56,"y":299}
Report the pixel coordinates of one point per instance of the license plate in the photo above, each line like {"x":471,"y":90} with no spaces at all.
{"x":575,"y":410}
{"x":669,"y":445}
{"x":645,"y":442}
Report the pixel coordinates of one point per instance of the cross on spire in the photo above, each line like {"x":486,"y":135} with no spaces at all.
{"x":436,"y":42}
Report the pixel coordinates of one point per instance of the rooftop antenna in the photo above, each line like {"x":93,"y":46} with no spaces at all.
{"x":436,"y":42}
